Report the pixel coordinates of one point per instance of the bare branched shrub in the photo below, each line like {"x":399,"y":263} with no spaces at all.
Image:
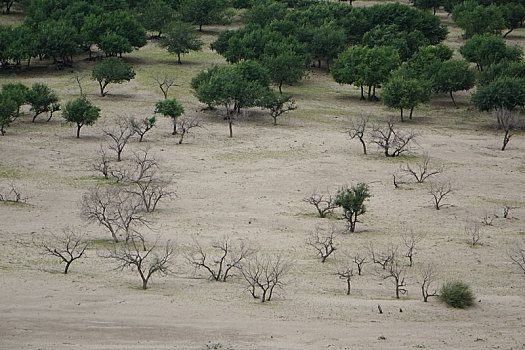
{"x":439,"y":190}
{"x":147,"y":261}
{"x":346,"y":273}
{"x":222,"y":258}
{"x":360,"y":262}
{"x":428,"y":276}
{"x":506,"y":210}
{"x":119,"y":136}
{"x":517,"y":256}
{"x":487,"y":218}
{"x":358,"y":130}
{"x":12,"y":194}
{"x":323,"y":203}
{"x":322,"y":241}
{"x":102,"y":165}
{"x":473,"y":233}
{"x":508,"y":121}
{"x":164,"y":83}
{"x":68,"y":247}
{"x":185,"y":124}
{"x":382,"y":258}
{"x":141,"y":127}
{"x":392,"y":141}
{"x":263,"y":274}
{"x":422,"y":170}
{"x":395,"y":270}
{"x":410,"y":242}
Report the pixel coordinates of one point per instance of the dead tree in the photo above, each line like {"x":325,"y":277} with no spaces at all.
{"x":185,"y":124}
{"x":422,"y":170}
{"x":323,"y":203}
{"x":68,"y":247}
{"x":141,"y":127}
{"x":12,"y":194}
{"x":346,"y":273}
{"x":506,"y":210}
{"x":392,"y":141}
{"x":263,"y":274}
{"x":359,"y":262}
{"x":119,"y":136}
{"x":102,"y":165}
{"x":382,"y":258}
{"x":473,"y":233}
{"x":395,"y":270}
{"x":322,"y":241}
{"x":439,"y":190}
{"x":517,"y":256}
{"x":410,"y":242}
{"x":508,"y":121}
{"x":147,"y":262}
{"x":358,"y":130}
{"x":225,"y":256}
{"x":428,"y":276}
{"x":164,"y":83}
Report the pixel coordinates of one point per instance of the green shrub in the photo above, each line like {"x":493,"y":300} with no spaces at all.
{"x":457,"y":294}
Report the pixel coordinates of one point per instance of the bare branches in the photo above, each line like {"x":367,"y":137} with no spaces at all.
{"x":357,"y":130}
{"x":428,"y":276}
{"x":263,"y":274}
{"x":226,"y":256}
{"x":380,"y":258}
{"x":392,"y":141}
{"x":68,"y":247}
{"x":141,"y":127}
{"x":395,"y":270}
{"x":322,"y":241}
{"x":147,"y":262}
{"x":473,"y":233}
{"x":508,"y":121}
{"x":410,"y":242}
{"x":119,"y":135}
{"x":102,"y":165}
{"x":185,"y":124}
{"x":12,"y":194}
{"x":346,"y":273}
{"x":164,"y":83}
{"x":323,"y":203}
{"x":517,"y":256}
{"x":439,"y":190}
{"x":422,"y":170}
{"x":506,"y":210}
{"x":359,"y":262}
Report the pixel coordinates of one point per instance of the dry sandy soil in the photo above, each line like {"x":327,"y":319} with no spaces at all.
{"x":252,"y":187}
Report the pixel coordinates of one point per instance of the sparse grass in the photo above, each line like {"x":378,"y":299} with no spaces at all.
{"x":9,"y":172}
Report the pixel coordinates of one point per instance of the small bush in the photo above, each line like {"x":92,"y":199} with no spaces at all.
{"x":457,"y":294}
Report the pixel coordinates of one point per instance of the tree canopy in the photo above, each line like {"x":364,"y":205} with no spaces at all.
{"x":80,"y":111}
{"x":180,"y":39}
{"x":111,"y":70}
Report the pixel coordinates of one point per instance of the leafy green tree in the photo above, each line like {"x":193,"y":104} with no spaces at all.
{"x":502,"y":93}
{"x":285,"y":63}
{"x":170,"y":108}
{"x":113,"y":44}
{"x":454,"y":75}
{"x":512,"y":69}
{"x":264,"y":12}
{"x":202,"y":12}
{"x":427,"y":4}
{"x":111,"y":70}
{"x":81,"y":112}
{"x":379,"y":63}
{"x":41,"y":98}
{"x":352,"y":201}
{"x":326,"y":42}
{"x":59,"y":40}
{"x":448,"y":5}
{"x":180,"y":39}
{"x":513,"y":14}
{"x":155,"y":15}
{"x":16,"y":92}
{"x":478,"y":19}
{"x":427,"y":61}
{"x":405,"y":93}
{"x":277,"y":104}
{"x":203,"y":77}
{"x":487,"y":49}
{"x":8,"y":110}
{"x":23,"y":44}
{"x":349,"y":65}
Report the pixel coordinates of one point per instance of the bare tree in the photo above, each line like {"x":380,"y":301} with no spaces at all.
{"x":119,"y":136}
{"x":263,"y":274}
{"x":473,"y":233}
{"x":487,"y":218}
{"x":360,"y":262}
{"x":323,"y":203}
{"x":395,"y":270}
{"x":224,"y":258}
{"x":382,"y":258}
{"x":164,"y":83}
{"x":517,"y":256}
{"x":506,"y":210}
{"x":185,"y":124}
{"x":322,"y":241}
{"x":346,"y":273}
{"x":392,"y":141}
{"x":102,"y":165}
{"x":410,"y":242}
{"x":147,"y":262}
{"x":508,"y":121}
{"x":12,"y":194}
{"x":68,"y":247}
{"x":428,"y":276}
{"x":141,"y":127}
{"x":358,"y":130}
{"x":422,"y":170}
{"x":439,"y":190}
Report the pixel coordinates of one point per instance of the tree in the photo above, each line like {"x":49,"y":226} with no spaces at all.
{"x":346,"y":273}
{"x":509,"y":121}
{"x":505,"y":68}
{"x":165,"y":83}
{"x":326,"y":42}
{"x":378,"y":65}
{"x":427,"y":4}
{"x":454,"y":75}
{"x":147,"y":262}
{"x":17,"y":92}
{"x":264,"y":273}
{"x":119,"y":135}
{"x":58,"y":40}
{"x":41,"y":98}
{"x":262,"y":13}
{"x":439,"y":190}
{"x":203,"y":12}
{"x":185,"y":124}
{"x":285,"y":65}
{"x":428,"y":276}
{"x":486,"y":49}
{"x":68,"y":247}
{"x":114,"y":44}
{"x":392,"y":141}
{"x":8,"y":108}
{"x":141,"y":127}
{"x":323,"y":203}
{"x":403,"y":93}
{"x":410,"y":242}
{"x":513,"y":14}
{"x":322,"y":241}
{"x":180,"y":39}
{"x":422,"y":169}
{"x":395,"y":270}
{"x":111,"y":70}
{"x":81,"y":112}
{"x":154,"y":15}
{"x":517,"y":256}
{"x":170,"y":108}
{"x":8,"y":5}
{"x":352,"y":201}
{"x":478,"y":19}
{"x":278,"y":104}
{"x":348,"y":67}
{"x":357,"y":129}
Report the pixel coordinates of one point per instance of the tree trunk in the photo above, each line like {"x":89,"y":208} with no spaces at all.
{"x":369,"y":92}
{"x":362,"y":93}
{"x":280,"y":87}
{"x":507,"y":33}
{"x":397,"y":288}
{"x":364,"y":145}
{"x":319,"y":63}
{"x":347,"y":286}
{"x":274,"y":119}
{"x":67,"y":266}
{"x":374,"y":98}
{"x":200,"y":27}
{"x":452,"y":97}
{"x":411,"y":111}
{"x":401,"y":114}
{"x":101,"y":88}
{"x":178,"y":59}
{"x":425,"y":295}
{"x":174,"y":127}
{"x":506,"y":139}
{"x":78,"y":130}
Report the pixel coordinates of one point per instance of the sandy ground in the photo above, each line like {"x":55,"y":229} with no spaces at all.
{"x":252,"y":187}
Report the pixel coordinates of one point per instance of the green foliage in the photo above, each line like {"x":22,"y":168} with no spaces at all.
{"x":457,"y":294}
{"x":427,"y":61}
{"x":454,"y":75}
{"x":111,"y":70}
{"x":8,"y":111}
{"x":180,"y":39}
{"x":113,"y":44}
{"x":405,"y":93}
{"x":513,"y":69}
{"x":81,"y":112}
{"x":501,"y":93}
{"x":352,"y":201}
{"x":202,"y":12}
{"x":427,"y":4}
{"x":170,"y":108}
{"x":264,"y":12}
{"x":513,"y":14}
{"x":478,"y":19}
{"x":16,"y":92}
{"x":284,"y":63}
{"x":277,"y":104}
{"x":487,"y":49}
{"x":155,"y":15}
{"x":58,"y":40}
{"x":41,"y":98}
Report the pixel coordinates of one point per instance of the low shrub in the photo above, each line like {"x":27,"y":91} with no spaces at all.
{"x":457,"y":294}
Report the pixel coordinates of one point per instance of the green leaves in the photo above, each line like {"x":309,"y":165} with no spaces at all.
{"x":111,"y":70}
{"x":41,"y":98}
{"x":352,"y":201}
{"x":503,"y":92}
{"x":81,"y":112}
{"x":487,"y":49}
{"x":180,"y":39}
